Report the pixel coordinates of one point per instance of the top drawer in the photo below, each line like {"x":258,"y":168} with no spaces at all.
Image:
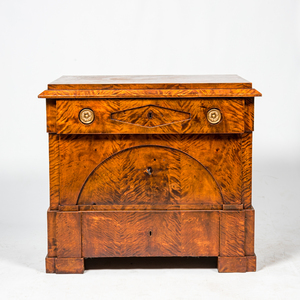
{"x":153,"y":116}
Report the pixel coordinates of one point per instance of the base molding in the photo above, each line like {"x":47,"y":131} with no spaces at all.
{"x":64,"y":265}
{"x":50,"y":264}
{"x":238,"y":264}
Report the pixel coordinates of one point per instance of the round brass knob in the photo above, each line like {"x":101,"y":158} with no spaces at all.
{"x":214,"y":116}
{"x":86,"y":116}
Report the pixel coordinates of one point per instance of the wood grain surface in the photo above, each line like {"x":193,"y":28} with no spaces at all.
{"x":150,"y":175}
{"x":249,"y":114}
{"x":144,"y":207}
{"x":148,"y":82}
{"x":232,"y":233}
{"x":232,"y":264}
{"x":68,"y":234}
{"x":247,"y":170}
{"x":51,"y":115}
{"x":151,"y":93}
{"x":232,"y":117}
{"x":54,"y":167}
{"x":150,"y":116}
{"x":81,"y":154}
{"x":233,"y":206}
{"x":251,"y":263}
{"x":50,"y":264}
{"x":51,"y":233}
{"x":249,"y":232}
{"x":69,"y":265}
{"x":172,"y":233}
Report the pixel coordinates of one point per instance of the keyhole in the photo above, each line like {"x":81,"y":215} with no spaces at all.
{"x":150,"y":232}
{"x":149,"y":170}
{"x":150,"y":115}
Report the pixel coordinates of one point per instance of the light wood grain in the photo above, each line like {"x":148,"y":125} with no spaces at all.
{"x":232,"y":233}
{"x":247,"y":170}
{"x":54,"y":167}
{"x":168,"y":93}
{"x":172,"y":233}
{"x":81,"y":154}
{"x":69,"y":265}
{"x":51,"y":115}
{"x":50,"y":264}
{"x":126,"y":82}
{"x":68,"y":234}
{"x":51,"y":232}
{"x":232,"y":117}
{"x":249,"y":232}
{"x":232,"y":264}
{"x":249,"y":114}
{"x":175,"y":178}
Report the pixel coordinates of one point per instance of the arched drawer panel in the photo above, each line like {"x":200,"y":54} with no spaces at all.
{"x":150,"y":174}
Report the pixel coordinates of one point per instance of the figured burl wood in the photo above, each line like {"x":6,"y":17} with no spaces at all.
{"x":69,"y":265}
{"x":51,"y":115}
{"x":51,"y":226}
{"x":232,"y":264}
{"x":68,"y":234}
{"x":232,"y":116}
{"x":150,"y":116}
{"x":81,"y":154}
{"x":232,"y":233}
{"x":249,"y":232}
{"x":150,"y":175}
{"x":126,"y":82}
{"x":54,"y":170}
{"x":247,"y":170}
{"x":171,"y":233}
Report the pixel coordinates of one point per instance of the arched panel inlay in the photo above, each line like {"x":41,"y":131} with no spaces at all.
{"x":150,"y":174}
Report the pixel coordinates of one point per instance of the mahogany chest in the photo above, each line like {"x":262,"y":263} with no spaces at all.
{"x":150,"y":166}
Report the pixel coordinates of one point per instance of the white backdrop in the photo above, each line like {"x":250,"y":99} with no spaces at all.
{"x":42,"y":40}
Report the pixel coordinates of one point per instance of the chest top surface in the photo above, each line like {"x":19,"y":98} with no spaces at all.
{"x":152,"y":86}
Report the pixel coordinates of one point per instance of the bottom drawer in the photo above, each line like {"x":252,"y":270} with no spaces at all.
{"x":159,"y":233}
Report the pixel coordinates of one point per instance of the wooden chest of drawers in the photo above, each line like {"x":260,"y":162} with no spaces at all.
{"x":150,"y":166}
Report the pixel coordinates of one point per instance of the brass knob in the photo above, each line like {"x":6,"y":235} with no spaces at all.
{"x":214,"y":116}
{"x":86,"y":116}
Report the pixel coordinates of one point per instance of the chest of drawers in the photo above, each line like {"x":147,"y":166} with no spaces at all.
{"x":150,"y":166}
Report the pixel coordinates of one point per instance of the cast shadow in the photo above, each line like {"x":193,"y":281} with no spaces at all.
{"x":151,"y":263}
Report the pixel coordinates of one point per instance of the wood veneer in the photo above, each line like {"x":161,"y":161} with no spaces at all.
{"x":150,"y":176}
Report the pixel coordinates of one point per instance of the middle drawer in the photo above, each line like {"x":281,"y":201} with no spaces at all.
{"x":150,"y":116}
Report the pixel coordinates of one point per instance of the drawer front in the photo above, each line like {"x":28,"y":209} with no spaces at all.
{"x":150,"y":116}
{"x":186,"y":169}
{"x":150,"y":175}
{"x":125,"y":234}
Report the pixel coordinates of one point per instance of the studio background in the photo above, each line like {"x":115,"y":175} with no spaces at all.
{"x":43,"y":40}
